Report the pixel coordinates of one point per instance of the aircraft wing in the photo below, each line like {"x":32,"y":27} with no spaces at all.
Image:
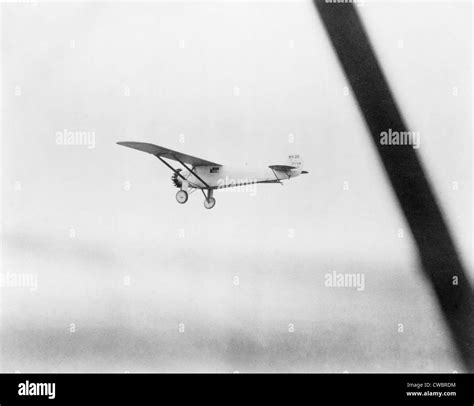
{"x":167,"y":153}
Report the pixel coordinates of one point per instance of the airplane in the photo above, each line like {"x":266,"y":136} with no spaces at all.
{"x":207,"y":176}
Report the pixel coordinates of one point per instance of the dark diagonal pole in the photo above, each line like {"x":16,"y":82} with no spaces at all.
{"x":438,"y":255}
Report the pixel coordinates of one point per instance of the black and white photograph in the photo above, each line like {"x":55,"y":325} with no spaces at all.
{"x":236,"y":187}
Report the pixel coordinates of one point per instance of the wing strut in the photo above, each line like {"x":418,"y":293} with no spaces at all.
{"x":277,"y":178}
{"x":194,"y":173}
{"x":179,"y":174}
{"x":169,"y":166}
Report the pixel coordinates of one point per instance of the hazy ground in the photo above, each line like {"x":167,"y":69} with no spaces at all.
{"x":227,"y":327}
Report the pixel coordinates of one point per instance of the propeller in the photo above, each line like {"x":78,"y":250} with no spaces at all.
{"x":176,"y":179}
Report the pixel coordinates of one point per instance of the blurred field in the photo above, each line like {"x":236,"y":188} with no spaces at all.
{"x":226,"y":327}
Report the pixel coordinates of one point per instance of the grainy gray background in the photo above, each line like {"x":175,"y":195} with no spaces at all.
{"x":127,"y":279}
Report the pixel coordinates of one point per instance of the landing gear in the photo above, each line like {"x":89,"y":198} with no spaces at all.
{"x":182,"y":196}
{"x":209,"y":201}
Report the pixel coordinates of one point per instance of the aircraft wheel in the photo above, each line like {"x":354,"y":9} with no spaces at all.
{"x":209,"y":203}
{"x":182,"y":196}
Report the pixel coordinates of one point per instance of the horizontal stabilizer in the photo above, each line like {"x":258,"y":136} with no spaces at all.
{"x":282,"y":168}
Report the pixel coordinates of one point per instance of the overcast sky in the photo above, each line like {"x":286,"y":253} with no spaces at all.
{"x":233,"y":80}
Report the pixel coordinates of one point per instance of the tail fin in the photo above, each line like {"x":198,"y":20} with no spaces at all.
{"x":295,"y":160}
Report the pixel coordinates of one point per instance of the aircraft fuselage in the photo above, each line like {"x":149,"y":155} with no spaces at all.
{"x":219,"y":177}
